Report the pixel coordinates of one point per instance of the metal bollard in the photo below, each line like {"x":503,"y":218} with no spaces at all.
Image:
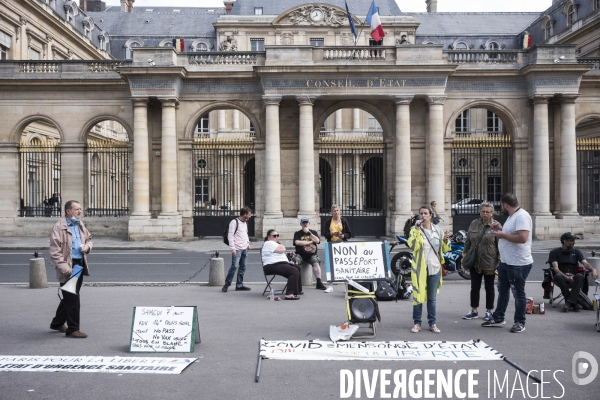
{"x":216,"y":277}
{"x":307,"y":274}
{"x":37,"y":274}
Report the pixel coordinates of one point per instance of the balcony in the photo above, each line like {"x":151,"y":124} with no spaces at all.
{"x":594,"y":61}
{"x":65,"y":69}
{"x":481,"y":58}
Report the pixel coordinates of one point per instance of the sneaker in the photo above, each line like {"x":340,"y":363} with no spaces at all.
{"x":471,"y":315}
{"x":492,"y":322}
{"x":488,"y":316}
{"x":517,"y":327}
{"x":416,"y":328}
{"x":329,"y":289}
{"x":434,"y":329}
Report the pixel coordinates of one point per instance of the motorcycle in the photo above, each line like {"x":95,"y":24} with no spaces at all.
{"x":402,"y":261}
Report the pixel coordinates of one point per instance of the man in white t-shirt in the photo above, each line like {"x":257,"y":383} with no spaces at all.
{"x":239,"y":243}
{"x":514,"y":245}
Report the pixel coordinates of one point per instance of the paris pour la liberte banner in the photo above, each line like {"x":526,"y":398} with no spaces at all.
{"x":356,"y":261}
{"x":115,"y":365}
{"x":377,"y":351}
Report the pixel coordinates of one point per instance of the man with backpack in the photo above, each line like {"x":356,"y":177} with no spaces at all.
{"x":565,"y":263}
{"x":237,"y":239}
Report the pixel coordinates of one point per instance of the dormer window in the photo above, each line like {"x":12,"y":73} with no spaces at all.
{"x":201,"y":47}
{"x":494,"y":46}
{"x":258,"y":11}
{"x":571,"y":15}
{"x":596,"y":5}
{"x":88,"y":27}
{"x":461,"y":46}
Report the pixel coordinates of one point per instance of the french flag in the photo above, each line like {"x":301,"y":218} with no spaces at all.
{"x":372,"y":19}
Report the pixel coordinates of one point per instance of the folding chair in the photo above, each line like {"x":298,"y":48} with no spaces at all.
{"x":269,"y":279}
{"x":560,"y":297}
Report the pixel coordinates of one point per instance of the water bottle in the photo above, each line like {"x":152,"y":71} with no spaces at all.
{"x":272,"y":295}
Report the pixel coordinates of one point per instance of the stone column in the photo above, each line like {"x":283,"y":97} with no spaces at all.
{"x":356,"y":119}
{"x":339,"y":175}
{"x":236,"y":120}
{"x":272,"y":158}
{"x":306,"y":158}
{"x":221,"y":125}
{"x":141,"y":160}
{"x":402,"y":171}
{"x":556,"y":159}
{"x":541,"y":157}
{"x":568,"y":158}
{"x":168,"y":159}
{"x":338,"y":120}
{"x":436,"y":183}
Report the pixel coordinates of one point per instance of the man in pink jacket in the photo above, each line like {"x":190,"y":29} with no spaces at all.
{"x":70,"y":242}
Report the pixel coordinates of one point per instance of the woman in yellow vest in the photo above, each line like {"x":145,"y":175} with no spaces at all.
{"x":428,"y":242}
{"x":336,"y":229}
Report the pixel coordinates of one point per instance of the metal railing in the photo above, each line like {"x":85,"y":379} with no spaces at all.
{"x":588,"y":176}
{"x":40,"y":184}
{"x":223,"y":171}
{"x":108,"y":178}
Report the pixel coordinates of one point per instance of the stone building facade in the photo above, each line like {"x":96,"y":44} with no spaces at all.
{"x":276,"y":106}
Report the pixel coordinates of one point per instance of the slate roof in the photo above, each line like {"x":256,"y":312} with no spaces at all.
{"x":164,"y":22}
{"x":271,"y":7}
{"x":469,"y":24}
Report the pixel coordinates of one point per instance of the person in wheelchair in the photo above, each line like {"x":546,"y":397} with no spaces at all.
{"x":565,"y":264}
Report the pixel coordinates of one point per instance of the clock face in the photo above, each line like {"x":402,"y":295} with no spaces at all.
{"x":316,"y":15}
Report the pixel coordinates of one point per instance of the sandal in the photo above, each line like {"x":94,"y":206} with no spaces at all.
{"x":416,"y":328}
{"x":294,"y":297}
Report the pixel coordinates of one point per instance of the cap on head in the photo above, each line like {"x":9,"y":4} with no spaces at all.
{"x":304,"y":219}
{"x":567,"y":236}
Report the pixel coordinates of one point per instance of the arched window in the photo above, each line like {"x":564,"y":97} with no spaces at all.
{"x":129,"y":45}
{"x":461,"y":46}
{"x":88,"y":26}
{"x":103,"y":40}
{"x":166,"y":43}
{"x":71,"y":10}
{"x":201,"y":47}
{"x":548,"y":30}
{"x":493,"y":46}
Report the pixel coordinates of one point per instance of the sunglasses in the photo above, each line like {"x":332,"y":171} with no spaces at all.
{"x":275,"y":235}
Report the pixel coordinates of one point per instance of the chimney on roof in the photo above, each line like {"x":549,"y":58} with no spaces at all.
{"x":96,"y":5}
{"x":431,"y":6}
{"x":228,"y":5}
{"x":127,"y":5}
{"x":83,"y":5}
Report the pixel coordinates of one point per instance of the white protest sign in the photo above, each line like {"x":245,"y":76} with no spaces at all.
{"x":115,"y":365}
{"x":379,"y":351}
{"x":164,"y":329}
{"x":356,"y":261}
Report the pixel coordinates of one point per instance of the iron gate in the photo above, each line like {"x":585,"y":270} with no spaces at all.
{"x":108,"y":178}
{"x":352,"y":175}
{"x":588,"y":176}
{"x":223,"y":173}
{"x":40,"y":179}
{"x":481,"y":171}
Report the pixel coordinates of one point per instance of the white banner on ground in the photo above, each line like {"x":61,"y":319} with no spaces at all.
{"x":323,"y":350}
{"x":119,"y":365}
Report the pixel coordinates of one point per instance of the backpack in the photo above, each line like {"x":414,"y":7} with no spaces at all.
{"x":584,"y":301}
{"x":385,"y":290}
{"x":226,"y":232}
{"x":409,"y":224}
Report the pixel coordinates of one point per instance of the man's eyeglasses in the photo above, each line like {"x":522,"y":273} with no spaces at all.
{"x":275,"y":235}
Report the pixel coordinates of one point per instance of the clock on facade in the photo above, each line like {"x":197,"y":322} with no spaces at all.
{"x":316,"y":15}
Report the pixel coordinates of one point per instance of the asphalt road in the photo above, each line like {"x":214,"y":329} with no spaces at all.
{"x":166,"y":266}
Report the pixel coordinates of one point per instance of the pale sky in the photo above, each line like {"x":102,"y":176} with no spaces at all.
{"x":405,"y":5}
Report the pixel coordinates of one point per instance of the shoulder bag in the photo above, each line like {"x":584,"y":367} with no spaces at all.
{"x":468,"y":260}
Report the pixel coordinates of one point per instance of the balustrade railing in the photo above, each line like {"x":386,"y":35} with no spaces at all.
{"x":32,"y":67}
{"x":227,"y":58}
{"x":595,"y":61}
{"x":482,"y":56}
{"x":356,"y":53}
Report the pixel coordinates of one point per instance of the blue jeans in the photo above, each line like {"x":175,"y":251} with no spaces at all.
{"x":238,"y":262}
{"x":432,"y":286}
{"x":515,"y":276}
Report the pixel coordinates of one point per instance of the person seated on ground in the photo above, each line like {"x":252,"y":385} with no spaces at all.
{"x":565,"y":261}
{"x":306,"y":241}
{"x":275,"y":262}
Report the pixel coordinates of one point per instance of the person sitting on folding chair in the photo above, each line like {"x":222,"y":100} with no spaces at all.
{"x":275,"y":262}
{"x":565,"y":262}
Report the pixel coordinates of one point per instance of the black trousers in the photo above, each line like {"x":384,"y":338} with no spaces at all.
{"x":291,"y":272}
{"x":68,"y":310}
{"x":571,"y":295}
{"x":490,"y":293}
